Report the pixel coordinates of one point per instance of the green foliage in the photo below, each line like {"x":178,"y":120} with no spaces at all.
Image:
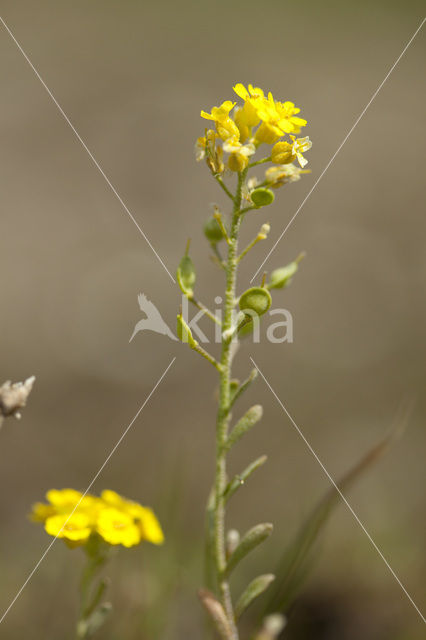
{"x":239,"y":480}
{"x":252,"y":591}
{"x":249,"y":419}
{"x":250,"y":540}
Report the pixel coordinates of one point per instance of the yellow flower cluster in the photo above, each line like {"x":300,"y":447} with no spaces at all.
{"x":75,"y":517}
{"x":273,"y":120}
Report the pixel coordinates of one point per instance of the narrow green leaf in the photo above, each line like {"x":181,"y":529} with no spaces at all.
{"x":254,"y":536}
{"x":252,"y":591}
{"x":237,"y":391}
{"x":238,"y":480}
{"x":97,"y":597}
{"x":88,"y":626}
{"x":249,"y":419}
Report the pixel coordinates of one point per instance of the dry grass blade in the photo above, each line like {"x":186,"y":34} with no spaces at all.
{"x":296,"y":560}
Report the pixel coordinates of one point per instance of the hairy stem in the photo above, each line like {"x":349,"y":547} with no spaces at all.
{"x":224,"y":412}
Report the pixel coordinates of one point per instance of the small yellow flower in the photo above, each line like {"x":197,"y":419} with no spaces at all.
{"x":247,"y":116}
{"x":75,"y":528}
{"x":117,"y":527}
{"x":278,"y":118}
{"x":41,"y":511}
{"x":225,"y":126}
{"x":143,"y":517}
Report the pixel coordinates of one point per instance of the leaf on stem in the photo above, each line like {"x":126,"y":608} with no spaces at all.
{"x":243,"y":426}
{"x":96,"y":598}
{"x":88,"y":626}
{"x":252,"y":591}
{"x":216,"y":613}
{"x":237,"y":391}
{"x":254,"y":536}
{"x":238,"y":480}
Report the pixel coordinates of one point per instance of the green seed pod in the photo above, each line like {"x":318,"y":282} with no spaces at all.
{"x":261,"y":197}
{"x":257,"y":300}
{"x":246,"y":329}
{"x":186,"y":275}
{"x":212,"y":231}
{"x":281,"y":277}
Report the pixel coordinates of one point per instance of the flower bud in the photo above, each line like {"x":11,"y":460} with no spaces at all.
{"x":232,"y":541}
{"x":257,"y":300}
{"x":264,"y":230}
{"x":237,"y":162}
{"x":282,"y":153}
{"x":261,"y":197}
{"x":212,"y":231}
{"x":267,"y":133}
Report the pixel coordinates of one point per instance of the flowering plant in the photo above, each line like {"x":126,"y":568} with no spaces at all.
{"x":97,"y":524}
{"x":241,"y":131}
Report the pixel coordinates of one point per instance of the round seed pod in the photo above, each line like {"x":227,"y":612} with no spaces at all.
{"x":212,"y":231}
{"x":261,"y":197}
{"x":256,"y":300}
{"x":186,"y":274}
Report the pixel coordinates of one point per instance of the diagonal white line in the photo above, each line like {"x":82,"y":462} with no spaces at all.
{"x":86,"y":148}
{"x":339,"y":492}
{"x":115,"y":447}
{"x":340,"y":147}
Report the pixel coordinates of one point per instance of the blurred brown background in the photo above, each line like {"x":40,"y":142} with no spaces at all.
{"x":132,"y":77}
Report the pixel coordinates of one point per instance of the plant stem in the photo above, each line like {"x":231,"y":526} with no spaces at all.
{"x":89,"y":599}
{"x":223,"y":185}
{"x":224,"y":412}
{"x":203,"y":307}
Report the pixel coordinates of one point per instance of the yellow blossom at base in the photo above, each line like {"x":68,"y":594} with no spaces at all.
{"x":143,"y":517}
{"x":76,"y":517}
{"x":75,"y":527}
{"x":117,"y":527}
